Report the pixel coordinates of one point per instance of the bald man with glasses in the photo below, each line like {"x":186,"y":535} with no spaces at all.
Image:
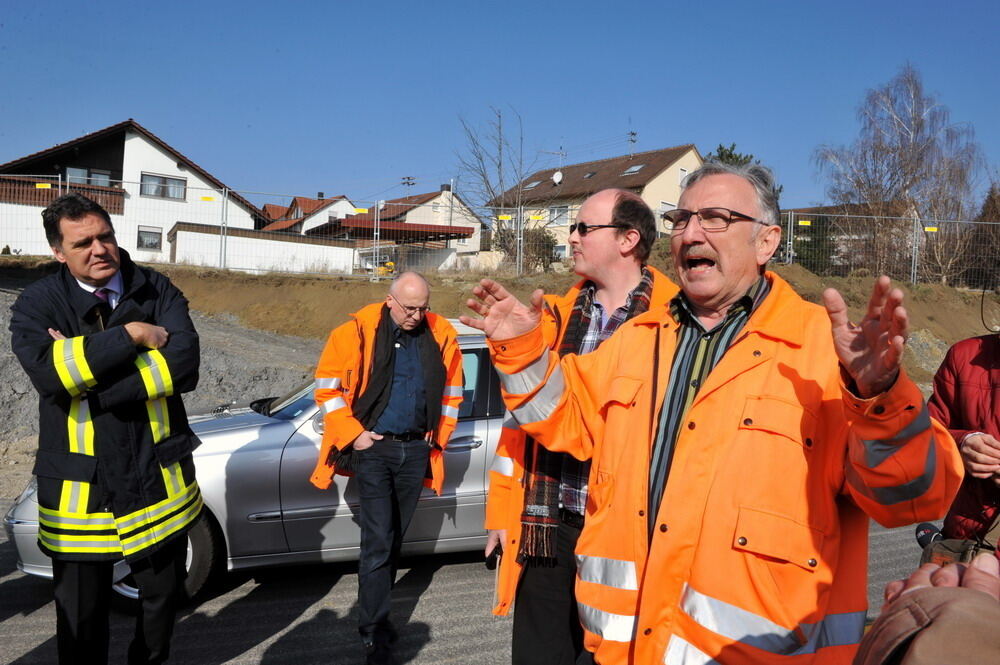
{"x":537,"y":499}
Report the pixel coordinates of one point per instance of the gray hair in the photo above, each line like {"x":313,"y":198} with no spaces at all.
{"x":759,"y":176}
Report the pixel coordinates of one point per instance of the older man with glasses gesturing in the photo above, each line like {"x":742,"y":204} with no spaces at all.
{"x":739,"y":441}
{"x":537,"y":498}
{"x":389,"y":382}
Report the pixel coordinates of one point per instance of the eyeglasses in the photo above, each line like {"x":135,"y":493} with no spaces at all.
{"x":583,"y":229}
{"x":712,"y":219}
{"x":410,"y":310}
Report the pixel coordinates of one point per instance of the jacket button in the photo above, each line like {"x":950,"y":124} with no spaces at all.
{"x":809,"y":442}
{"x":878,"y":410}
{"x":642,"y":513}
{"x":756,"y":354}
{"x":691,"y":425}
{"x":812,"y":563}
{"x":748,"y":421}
{"x":741,"y":540}
{"x":647,"y":631}
{"x":664,"y":528}
{"x":503,"y":348}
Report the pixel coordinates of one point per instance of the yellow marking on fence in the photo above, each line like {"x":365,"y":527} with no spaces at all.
{"x":208,"y":198}
{"x":43,"y":185}
{"x":361,"y":211}
{"x":504,"y":218}
{"x":537,"y":218}
{"x":805,"y":222}
{"x":931,"y":229}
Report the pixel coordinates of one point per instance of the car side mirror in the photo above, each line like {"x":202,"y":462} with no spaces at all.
{"x":317,"y":422}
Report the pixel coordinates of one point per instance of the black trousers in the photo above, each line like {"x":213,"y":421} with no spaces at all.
{"x":83,"y":602}
{"x":546,"y":623}
{"x":390,"y":476}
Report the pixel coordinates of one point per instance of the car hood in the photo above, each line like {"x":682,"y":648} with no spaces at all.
{"x":228,"y":419}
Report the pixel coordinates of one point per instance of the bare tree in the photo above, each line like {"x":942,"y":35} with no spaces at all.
{"x":493,"y":170}
{"x":909,"y":160}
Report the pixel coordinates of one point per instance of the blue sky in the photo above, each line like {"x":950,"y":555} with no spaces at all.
{"x":348,"y":97}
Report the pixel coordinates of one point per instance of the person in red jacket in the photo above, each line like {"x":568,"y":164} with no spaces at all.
{"x":389,"y":382}
{"x":966,"y":400}
{"x":537,"y":498}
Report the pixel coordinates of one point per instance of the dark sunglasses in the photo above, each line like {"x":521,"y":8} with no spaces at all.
{"x":583,"y":228}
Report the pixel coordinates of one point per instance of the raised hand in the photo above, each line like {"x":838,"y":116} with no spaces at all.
{"x":504,"y":316}
{"x":871,"y":350}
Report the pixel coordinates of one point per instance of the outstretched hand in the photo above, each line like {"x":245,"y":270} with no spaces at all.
{"x":504,"y":316}
{"x":871,"y":350}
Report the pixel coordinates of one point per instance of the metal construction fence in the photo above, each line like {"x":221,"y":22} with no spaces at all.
{"x":163,"y":220}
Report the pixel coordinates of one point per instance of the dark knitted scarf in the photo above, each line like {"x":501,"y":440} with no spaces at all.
{"x":544,"y":468}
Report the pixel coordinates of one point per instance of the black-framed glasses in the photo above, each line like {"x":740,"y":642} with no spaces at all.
{"x":712,"y":219}
{"x":583,"y":228}
{"x":411,"y":310}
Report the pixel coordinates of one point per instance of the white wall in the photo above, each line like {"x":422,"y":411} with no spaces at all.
{"x":203,"y":203}
{"x":340,"y":209}
{"x":260,"y":255}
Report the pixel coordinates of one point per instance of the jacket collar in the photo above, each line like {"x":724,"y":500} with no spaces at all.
{"x":83,"y":302}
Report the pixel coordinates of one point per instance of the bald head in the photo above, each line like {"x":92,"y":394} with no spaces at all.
{"x":408,"y":299}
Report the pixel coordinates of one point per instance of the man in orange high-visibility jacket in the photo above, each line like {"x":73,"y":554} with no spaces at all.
{"x":390,"y":384}
{"x":537,"y":498}
{"x":739,"y":443}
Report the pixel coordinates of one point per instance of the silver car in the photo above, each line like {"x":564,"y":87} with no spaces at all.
{"x":253,"y":467}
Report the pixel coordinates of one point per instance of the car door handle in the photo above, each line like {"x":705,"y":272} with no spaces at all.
{"x":463,"y":443}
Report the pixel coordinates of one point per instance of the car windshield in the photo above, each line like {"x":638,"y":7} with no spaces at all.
{"x":293,"y":404}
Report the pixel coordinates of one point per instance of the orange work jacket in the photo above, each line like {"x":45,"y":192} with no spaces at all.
{"x":758,"y":551}
{"x":505,"y":500}
{"x":343,"y":373}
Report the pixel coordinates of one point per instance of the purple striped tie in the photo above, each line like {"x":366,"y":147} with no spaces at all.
{"x":102,"y":293}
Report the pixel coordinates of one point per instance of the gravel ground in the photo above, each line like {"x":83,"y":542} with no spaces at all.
{"x":238,"y":364}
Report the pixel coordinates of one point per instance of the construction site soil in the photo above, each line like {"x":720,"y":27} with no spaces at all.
{"x":261,"y":334}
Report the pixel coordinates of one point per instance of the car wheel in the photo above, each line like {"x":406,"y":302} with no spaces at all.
{"x":204,"y":557}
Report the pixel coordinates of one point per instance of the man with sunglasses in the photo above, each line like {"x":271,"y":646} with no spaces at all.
{"x":537,"y":498}
{"x":740,"y":439}
{"x":389,"y":382}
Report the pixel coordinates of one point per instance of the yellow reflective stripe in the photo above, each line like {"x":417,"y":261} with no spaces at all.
{"x":155,"y":374}
{"x":160,"y":532}
{"x":66,"y":497}
{"x":75,"y":521}
{"x":172,"y":478}
{"x":150,"y":514}
{"x":159,"y":419}
{"x":71,"y":365}
{"x":80,"y":544}
{"x":80,"y":432}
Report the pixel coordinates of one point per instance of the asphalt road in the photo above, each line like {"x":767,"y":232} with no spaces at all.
{"x":306,"y":615}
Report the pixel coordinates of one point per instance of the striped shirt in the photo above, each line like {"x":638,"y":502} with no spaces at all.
{"x":697,"y":353}
{"x":575,"y":474}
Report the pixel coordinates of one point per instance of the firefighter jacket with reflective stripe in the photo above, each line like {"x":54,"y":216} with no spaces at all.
{"x":342,"y":375}
{"x":758,"y":551}
{"x":505,"y":501}
{"x":114,"y":467}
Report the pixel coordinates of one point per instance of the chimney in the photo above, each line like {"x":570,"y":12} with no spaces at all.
{"x":319,"y":195}
{"x":446,"y":188}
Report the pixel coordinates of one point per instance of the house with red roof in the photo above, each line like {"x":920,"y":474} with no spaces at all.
{"x":304,"y":214}
{"x":145,"y":184}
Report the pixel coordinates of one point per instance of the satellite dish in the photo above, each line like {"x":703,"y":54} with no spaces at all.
{"x":557,"y":177}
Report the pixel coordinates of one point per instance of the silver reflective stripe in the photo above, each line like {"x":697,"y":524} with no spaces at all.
{"x":327,"y":383}
{"x":156,"y":372}
{"x":160,"y":408}
{"x":751,"y":629}
{"x":608,"y":572}
{"x":738,"y":624}
{"x":879,"y":450}
{"x":503,"y":465}
{"x":53,"y":541}
{"x":528,"y":379}
{"x":82,"y":421}
{"x":544,"y":402}
{"x":161,"y":510}
{"x":449,"y":411}
{"x":55,"y":519}
{"x":164,"y":529}
{"x":453,"y":391}
{"x":72,"y":367}
{"x":889,"y":496}
{"x":333,"y":404}
{"x":681,"y":652}
{"x":614,"y":627}
{"x":510,"y":423}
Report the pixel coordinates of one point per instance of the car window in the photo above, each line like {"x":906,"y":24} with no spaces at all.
{"x":294,"y":403}
{"x":470,"y":369}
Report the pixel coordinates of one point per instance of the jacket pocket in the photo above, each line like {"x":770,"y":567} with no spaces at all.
{"x":65,"y":466}
{"x":778,"y":417}
{"x":174,"y":448}
{"x":622,"y":390}
{"x":778,"y":538}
